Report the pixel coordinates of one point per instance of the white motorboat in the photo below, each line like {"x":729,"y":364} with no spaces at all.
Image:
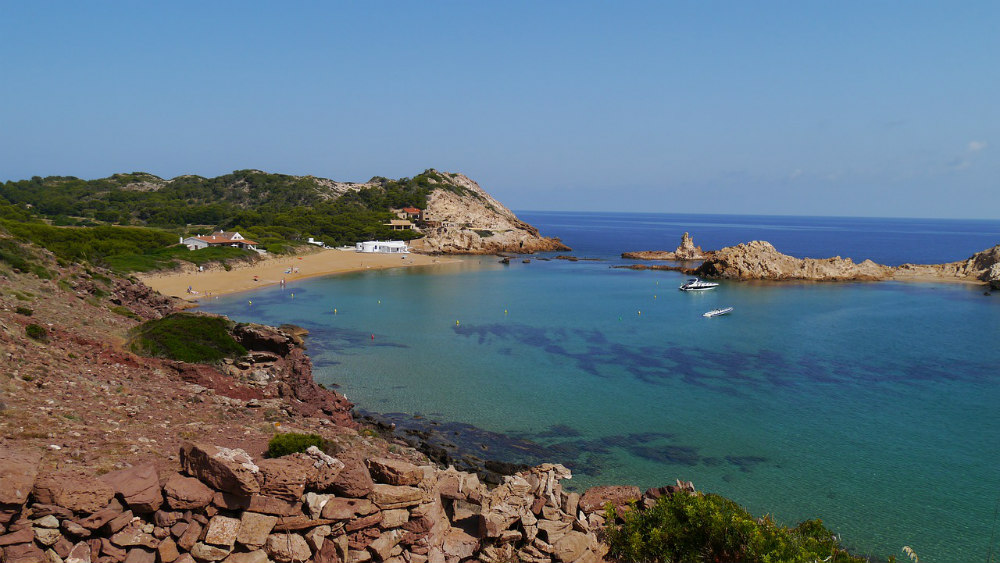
{"x":718,"y":312}
{"x":695,"y":284}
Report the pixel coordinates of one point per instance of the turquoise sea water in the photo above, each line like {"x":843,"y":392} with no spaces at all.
{"x":870,"y":405}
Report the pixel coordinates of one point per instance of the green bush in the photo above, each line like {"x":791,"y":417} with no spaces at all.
{"x":186,"y":337}
{"x":687,"y":527}
{"x":26,"y":311}
{"x":293,"y":442}
{"x":125,"y":312}
{"x":37,"y":332}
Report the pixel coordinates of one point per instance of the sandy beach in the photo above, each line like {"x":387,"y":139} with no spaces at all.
{"x":272,"y":270}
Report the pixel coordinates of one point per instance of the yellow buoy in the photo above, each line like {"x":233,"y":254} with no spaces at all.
{"x":334,"y":311}
{"x":505,"y":311}
{"x":456,"y":323}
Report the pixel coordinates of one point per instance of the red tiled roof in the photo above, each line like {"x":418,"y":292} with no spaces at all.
{"x":411,"y":210}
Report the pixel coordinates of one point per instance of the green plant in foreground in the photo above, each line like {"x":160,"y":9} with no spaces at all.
{"x":293,"y":442}
{"x":187,"y":338}
{"x":686,"y":527}
{"x":37,"y":332}
{"x":26,"y":311}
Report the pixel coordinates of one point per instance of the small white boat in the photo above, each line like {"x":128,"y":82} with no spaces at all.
{"x":694,"y":284}
{"x":718,"y":312}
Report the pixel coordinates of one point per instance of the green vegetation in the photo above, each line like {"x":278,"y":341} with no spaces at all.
{"x":186,"y":337}
{"x":22,"y":258}
{"x":293,"y":442}
{"x":165,"y":258}
{"x":125,"y":312}
{"x":26,"y":311}
{"x":687,"y":527}
{"x":483,"y":233}
{"x":37,"y":332}
{"x":272,"y":209}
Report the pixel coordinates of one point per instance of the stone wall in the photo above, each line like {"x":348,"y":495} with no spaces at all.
{"x":225,"y":506}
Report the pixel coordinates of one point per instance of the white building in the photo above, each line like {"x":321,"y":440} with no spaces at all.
{"x":219,"y":238}
{"x":383,"y":246}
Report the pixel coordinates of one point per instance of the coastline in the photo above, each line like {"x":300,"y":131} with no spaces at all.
{"x":271,"y":271}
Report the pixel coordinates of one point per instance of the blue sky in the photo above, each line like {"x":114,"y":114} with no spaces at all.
{"x":811,"y":108}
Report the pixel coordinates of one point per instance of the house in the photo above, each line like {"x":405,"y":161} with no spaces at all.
{"x":219,"y":238}
{"x":412,"y":213}
{"x":399,"y":225}
{"x":383,"y":247}
{"x":318,"y":243}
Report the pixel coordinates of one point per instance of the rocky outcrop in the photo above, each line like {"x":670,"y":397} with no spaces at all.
{"x":227,"y":507}
{"x":983,"y":266}
{"x":686,"y":250}
{"x":759,"y":260}
{"x":463,"y":219}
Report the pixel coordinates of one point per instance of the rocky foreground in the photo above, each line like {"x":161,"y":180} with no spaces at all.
{"x":760,"y":260}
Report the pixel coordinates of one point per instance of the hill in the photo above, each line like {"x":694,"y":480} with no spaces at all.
{"x":279,"y":210}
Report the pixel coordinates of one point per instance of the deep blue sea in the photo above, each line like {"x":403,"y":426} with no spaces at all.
{"x":873,"y":406}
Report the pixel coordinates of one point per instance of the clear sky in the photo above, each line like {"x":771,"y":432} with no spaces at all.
{"x":815,"y":108}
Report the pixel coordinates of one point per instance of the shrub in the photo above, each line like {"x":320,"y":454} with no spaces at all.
{"x":37,"y":332}
{"x":26,"y":311}
{"x":293,"y":442}
{"x":187,"y":338}
{"x":125,"y":312}
{"x":694,"y":527}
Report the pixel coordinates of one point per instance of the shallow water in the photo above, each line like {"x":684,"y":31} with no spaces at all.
{"x":869,"y":405}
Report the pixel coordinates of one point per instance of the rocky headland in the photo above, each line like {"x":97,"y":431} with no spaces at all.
{"x":465,"y":219}
{"x":760,"y":260}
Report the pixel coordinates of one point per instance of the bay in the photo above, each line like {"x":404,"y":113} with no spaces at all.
{"x":869,"y":405}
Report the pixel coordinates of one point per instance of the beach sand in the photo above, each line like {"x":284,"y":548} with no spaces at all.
{"x":271,"y":270}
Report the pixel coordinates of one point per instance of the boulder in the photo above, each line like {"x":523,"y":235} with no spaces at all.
{"x":24,"y":553}
{"x":274,"y":505}
{"x":353,"y":480}
{"x":254,"y":529}
{"x":222,"y":531}
{"x":459,"y":545}
{"x":595,"y":498}
{"x":285,"y":478}
{"x":205,"y":552}
{"x":337,"y":508}
{"x":18,"y":470}
{"x":138,"y":486}
{"x":186,"y":493}
{"x":73,"y":491}
{"x":225,"y":469}
{"x":133,"y":535}
{"x":103,"y":516}
{"x":81,"y":554}
{"x":140,"y":555}
{"x":167,"y":551}
{"x":571,"y":546}
{"x":257,"y":556}
{"x":395,"y":472}
{"x":285,"y":548}
{"x":391,"y":496}
{"x":46,"y":536}
{"x":24,"y":535}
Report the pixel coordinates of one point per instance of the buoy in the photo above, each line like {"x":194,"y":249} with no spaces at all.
{"x":505,"y":311}
{"x":293,"y":296}
{"x":379,"y":301}
{"x":373,"y":337}
{"x":640,"y":313}
{"x":456,"y":323}
{"x":334,"y":311}
{"x":619,"y":318}
{"x":249,"y":302}
{"x":654,"y":297}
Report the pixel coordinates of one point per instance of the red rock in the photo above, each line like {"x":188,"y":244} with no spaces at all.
{"x":390,"y":496}
{"x":224,"y":469}
{"x":103,"y":516}
{"x":366,"y":522}
{"x":460,"y":545}
{"x":166,"y":519}
{"x":24,"y":553}
{"x":285,"y":478}
{"x":571,"y":547}
{"x":272,"y":505}
{"x":353,"y":481}
{"x":327,"y":553}
{"x":139,"y":486}
{"x":118,"y":522}
{"x":140,"y":555}
{"x":229,"y":501}
{"x":286,"y":548}
{"x":347,"y":508}
{"x":79,"y":554}
{"x":62,"y":547}
{"x":595,"y":498}
{"x":254,"y":529}
{"x":39,"y":510}
{"x":184,"y":493}
{"x":18,"y":470}
{"x":24,"y":535}
{"x":76,"y":492}
{"x":222,"y":531}
{"x":167,"y":551}
{"x":395,"y":472}
{"x":190,"y":536}
{"x":112,"y":551}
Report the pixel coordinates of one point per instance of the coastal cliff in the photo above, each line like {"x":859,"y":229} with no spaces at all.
{"x":686,"y":250}
{"x":465,"y":219}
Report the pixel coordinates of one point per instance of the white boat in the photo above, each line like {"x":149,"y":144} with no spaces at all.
{"x":694,"y":284}
{"x":718,"y":312}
